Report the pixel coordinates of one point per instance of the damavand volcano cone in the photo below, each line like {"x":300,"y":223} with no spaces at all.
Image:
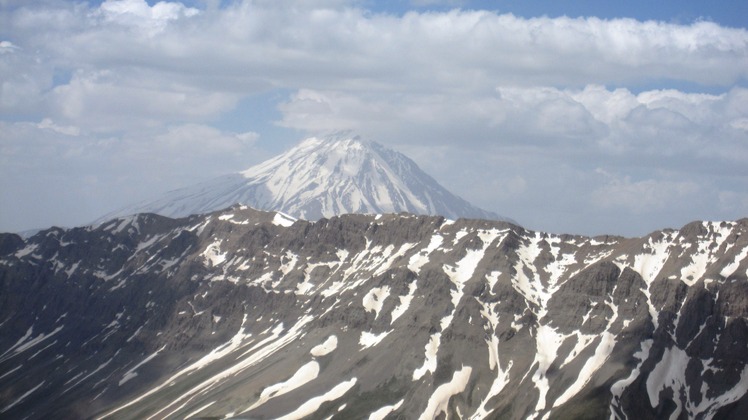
{"x":321,"y":177}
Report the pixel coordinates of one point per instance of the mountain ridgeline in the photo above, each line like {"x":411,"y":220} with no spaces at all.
{"x":250,"y":314}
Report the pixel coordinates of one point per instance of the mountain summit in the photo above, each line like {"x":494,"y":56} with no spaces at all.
{"x":321,"y":177}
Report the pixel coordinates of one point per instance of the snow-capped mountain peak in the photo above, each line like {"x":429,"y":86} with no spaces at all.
{"x":321,"y":177}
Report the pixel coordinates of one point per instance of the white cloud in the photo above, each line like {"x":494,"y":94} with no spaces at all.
{"x":249,"y":46}
{"x":109,"y":101}
{"x":531,"y":152}
{"x":643,"y":196}
{"x":67,"y":129}
{"x":740,"y":124}
{"x":513,"y":114}
{"x":205,"y":140}
{"x":592,"y":120}
{"x":7,"y":47}
{"x":137,"y":13}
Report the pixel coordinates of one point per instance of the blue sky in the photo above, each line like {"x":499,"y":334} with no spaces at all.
{"x":727,"y":12}
{"x":567,"y":116}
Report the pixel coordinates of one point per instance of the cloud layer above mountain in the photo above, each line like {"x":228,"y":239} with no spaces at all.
{"x":567,"y":124}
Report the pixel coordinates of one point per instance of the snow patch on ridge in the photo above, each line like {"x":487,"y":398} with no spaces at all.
{"x":282,"y":219}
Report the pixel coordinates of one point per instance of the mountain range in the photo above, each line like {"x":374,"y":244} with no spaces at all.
{"x":320,"y":177}
{"x":243,"y":313}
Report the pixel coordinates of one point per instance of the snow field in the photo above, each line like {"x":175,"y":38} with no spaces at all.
{"x":213,"y":254}
{"x":22,"y":397}
{"x":670,"y":372}
{"x":382,"y":413}
{"x":439,"y":400}
{"x":325,"y":348}
{"x":302,"y":376}
{"x":404,"y":302}
{"x":22,"y":344}
{"x":502,"y":375}
{"x":594,"y":363}
{"x":463,"y":270}
{"x":548,"y":341}
{"x":529,"y":286}
{"x":602,"y":352}
{"x":429,"y":364}
{"x":705,"y":253}
{"x":259,"y":351}
{"x":419,"y":259}
{"x":199,"y":410}
{"x":641,"y":355}
{"x":369,"y":339}
{"x":313,"y":404}
{"x":132,"y":372}
{"x":282,"y":219}
{"x":649,"y":266}
{"x":731,"y":268}
{"x":374,"y":300}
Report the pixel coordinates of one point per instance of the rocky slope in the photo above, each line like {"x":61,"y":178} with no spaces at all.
{"x":242,"y":313}
{"x":321,"y":177}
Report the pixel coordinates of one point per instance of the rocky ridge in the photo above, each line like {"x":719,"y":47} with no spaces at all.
{"x":243,"y":313}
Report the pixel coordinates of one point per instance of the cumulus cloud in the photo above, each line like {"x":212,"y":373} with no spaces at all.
{"x":592,"y":120}
{"x":524,"y":115}
{"x":109,"y":101}
{"x":135,"y":12}
{"x":251,"y":46}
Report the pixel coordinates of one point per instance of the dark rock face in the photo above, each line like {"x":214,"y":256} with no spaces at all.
{"x":242,"y":313}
